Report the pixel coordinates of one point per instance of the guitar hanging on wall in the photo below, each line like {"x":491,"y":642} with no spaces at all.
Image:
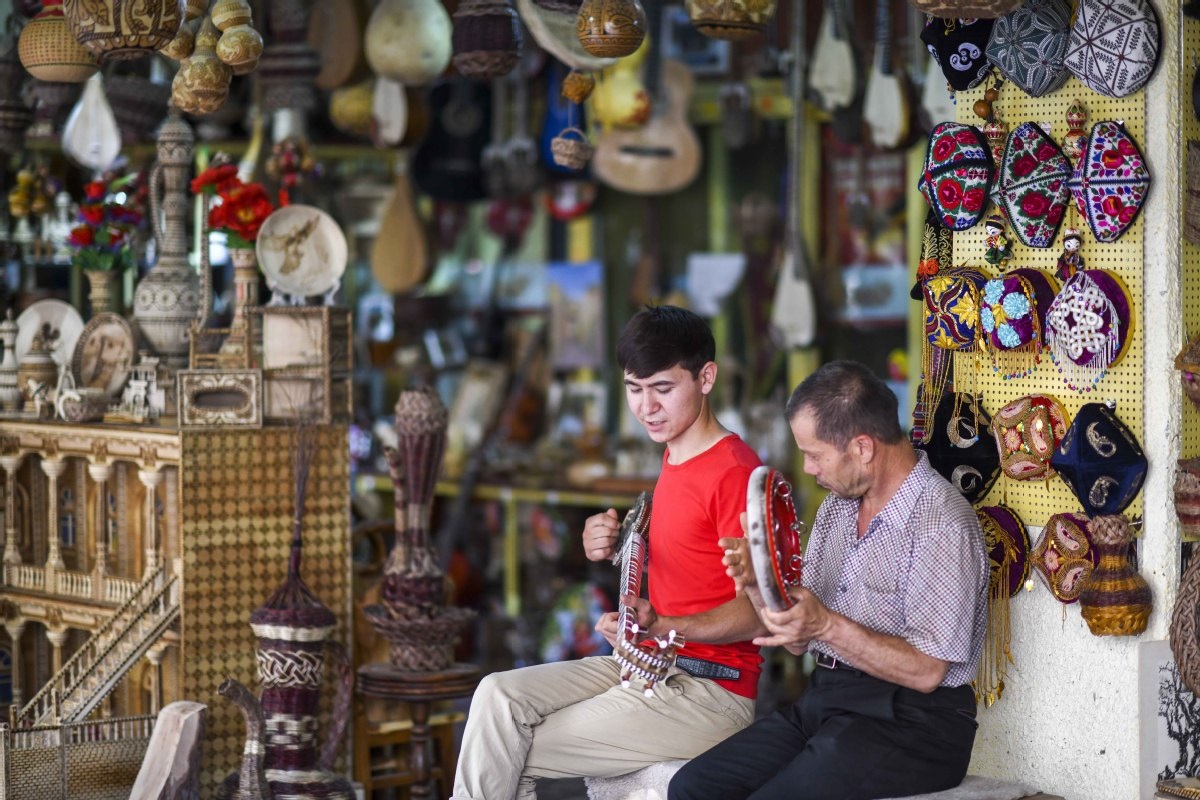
{"x":449,"y":163}
{"x":662,"y":156}
{"x":886,"y":106}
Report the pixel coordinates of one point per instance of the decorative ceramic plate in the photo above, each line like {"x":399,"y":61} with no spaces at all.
{"x":104,"y":354}
{"x":301,"y":250}
{"x":61,"y":316}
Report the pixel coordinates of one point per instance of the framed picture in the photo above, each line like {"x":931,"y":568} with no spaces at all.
{"x":576,"y":293}
{"x":1169,"y":743}
{"x":578,"y":409}
{"x":704,"y":56}
{"x":220,"y":398}
{"x":477,"y":401}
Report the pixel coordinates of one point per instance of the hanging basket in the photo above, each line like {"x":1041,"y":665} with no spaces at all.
{"x":1187,"y":497}
{"x":571,"y":153}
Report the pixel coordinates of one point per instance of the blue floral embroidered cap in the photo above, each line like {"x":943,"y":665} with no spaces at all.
{"x":960,"y":446}
{"x":952,"y":307}
{"x":1031,"y":185}
{"x":1013,"y":308}
{"x":1100,"y":460}
{"x":958,"y":174}
{"x":1029,"y":46}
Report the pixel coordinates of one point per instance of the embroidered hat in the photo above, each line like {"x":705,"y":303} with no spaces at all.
{"x":1029,"y":46}
{"x":958,"y":174}
{"x":984,"y":9}
{"x":1013,"y":308}
{"x":1007,"y":543}
{"x":959,"y":47}
{"x":1027,"y":431}
{"x":1031,"y":185}
{"x":1100,"y":460}
{"x":952,"y":307}
{"x":960,"y":448}
{"x":1088,"y":325}
{"x":1114,"y":45}
{"x":1063,"y":556}
{"x":1110,"y":181}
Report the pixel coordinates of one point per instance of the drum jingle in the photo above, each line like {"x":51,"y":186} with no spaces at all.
{"x":773,"y":533}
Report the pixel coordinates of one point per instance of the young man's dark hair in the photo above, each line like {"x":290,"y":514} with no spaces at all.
{"x":660,"y":337}
{"x":846,"y":400}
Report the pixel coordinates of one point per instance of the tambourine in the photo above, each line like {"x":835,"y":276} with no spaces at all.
{"x":650,"y":659}
{"x":773,"y":533}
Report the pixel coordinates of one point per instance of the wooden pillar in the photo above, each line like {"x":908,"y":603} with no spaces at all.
{"x":100,"y":474}
{"x":53,"y":467}
{"x":15,"y":628}
{"x":10,"y":464}
{"x":57,"y":638}
{"x":150,"y":478}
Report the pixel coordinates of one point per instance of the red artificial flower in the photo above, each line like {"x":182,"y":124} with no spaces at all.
{"x":94,"y":191}
{"x":92,"y":214}
{"x":218,"y":177}
{"x":81,"y":236}
{"x":242,"y":211}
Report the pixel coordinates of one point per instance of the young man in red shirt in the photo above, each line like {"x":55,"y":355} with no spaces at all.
{"x":574,"y":719}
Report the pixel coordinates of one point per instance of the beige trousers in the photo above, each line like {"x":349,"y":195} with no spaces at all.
{"x":574,"y":719}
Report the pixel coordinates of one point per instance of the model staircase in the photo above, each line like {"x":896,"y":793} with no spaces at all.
{"x":100,"y":664}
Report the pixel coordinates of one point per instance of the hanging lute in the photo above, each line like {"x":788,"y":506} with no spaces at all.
{"x":651,"y":659}
{"x":773,"y":533}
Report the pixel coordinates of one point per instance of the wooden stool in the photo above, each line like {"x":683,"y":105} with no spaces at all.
{"x":419,"y":690}
{"x":382,"y":756}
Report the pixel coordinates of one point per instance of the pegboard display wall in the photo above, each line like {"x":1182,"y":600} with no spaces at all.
{"x":1038,"y":500}
{"x":1189,"y":253}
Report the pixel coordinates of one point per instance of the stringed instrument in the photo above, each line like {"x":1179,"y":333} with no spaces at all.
{"x":400,"y":256}
{"x":793,"y":311}
{"x":773,"y":534}
{"x":885,"y":106}
{"x":448,"y":165}
{"x":662,"y":156}
{"x":649,"y":659}
{"x":834,"y":65}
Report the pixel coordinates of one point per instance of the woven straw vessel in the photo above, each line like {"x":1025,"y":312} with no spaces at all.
{"x":1115,"y":600}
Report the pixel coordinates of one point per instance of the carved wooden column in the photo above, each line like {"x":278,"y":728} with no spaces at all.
{"x":10,"y":463}
{"x":57,"y":637}
{"x":15,"y":627}
{"x":155,"y":656}
{"x":53,"y":467}
{"x":150,"y":478}
{"x":100,"y":472}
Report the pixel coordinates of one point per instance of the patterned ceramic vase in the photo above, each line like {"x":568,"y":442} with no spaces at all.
{"x":170,"y":297}
{"x":1115,"y":600}
{"x":118,"y":29}
{"x":49,"y":51}
{"x":731,"y":19}
{"x":611,"y":28}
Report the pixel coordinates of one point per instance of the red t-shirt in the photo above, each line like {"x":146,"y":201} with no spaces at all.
{"x":695,"y":504}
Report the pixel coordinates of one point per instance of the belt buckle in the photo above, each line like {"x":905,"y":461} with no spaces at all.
{"x":825,"y":660}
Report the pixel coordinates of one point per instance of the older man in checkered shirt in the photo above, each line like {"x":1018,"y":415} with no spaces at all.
{"x":894,"y":609}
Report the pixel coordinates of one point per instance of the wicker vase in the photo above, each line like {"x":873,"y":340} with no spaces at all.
{"x":117,"y":29}
{"x":1184,"y":643}
{"x":104,"y":290}
{"x":1115,"y":600}
{"x":486,"y":38}
{"x":1187,"y":497}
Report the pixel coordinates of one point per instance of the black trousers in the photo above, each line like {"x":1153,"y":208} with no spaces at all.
{"x":849,"y":737}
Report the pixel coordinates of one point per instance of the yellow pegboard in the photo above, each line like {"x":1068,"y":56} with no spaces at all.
{"x":1037,"y":501}
{"x":1189,"y":253}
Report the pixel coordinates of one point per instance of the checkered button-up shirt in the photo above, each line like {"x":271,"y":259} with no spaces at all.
{"x":920,"y":572}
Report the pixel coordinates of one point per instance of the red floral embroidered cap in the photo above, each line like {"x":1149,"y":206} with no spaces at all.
{"x":952,"y":307}
{"x":1031,"y":185}
{"x":1027,"y":431}
{"x":1101,"y":461}
{"x":1111,"y":181}
{"x":1007,"y":543}
{"x":1064,"y":556}
{"x":1088,"y":325}
{"x":958,"y":174}
{"x":1013,"y":309}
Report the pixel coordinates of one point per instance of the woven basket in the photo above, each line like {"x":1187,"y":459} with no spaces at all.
{"x":1187,"y":497}
{"x":1114,"y":600}
{"x":419,"y":642}
{"x":1191,"y":198}
{"x":1184,"y":643}
{"x":571,"y":153}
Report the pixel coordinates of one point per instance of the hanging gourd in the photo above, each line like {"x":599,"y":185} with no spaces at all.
{"x":730,"y":19}
{"x":611,"y":28}
{"x":110,"y":29}
{"x":409,"y":41}
{"x":48,"y":49}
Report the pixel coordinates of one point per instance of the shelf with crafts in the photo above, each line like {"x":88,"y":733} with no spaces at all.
{"x":510,"y":499}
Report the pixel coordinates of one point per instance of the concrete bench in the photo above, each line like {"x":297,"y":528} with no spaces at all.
{"x":651,"y":782}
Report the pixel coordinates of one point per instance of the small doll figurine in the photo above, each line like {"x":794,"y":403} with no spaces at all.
{"x":1070,"y":261}
{"x":999,"y":248}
